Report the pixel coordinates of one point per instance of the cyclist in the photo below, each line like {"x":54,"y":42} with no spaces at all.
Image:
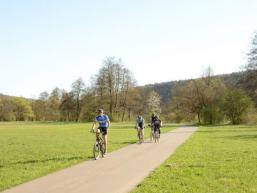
{"x":140,"y":125}
{"x":157,"y":123}
{"x":104,"y":123}
{"x":153,"y":117}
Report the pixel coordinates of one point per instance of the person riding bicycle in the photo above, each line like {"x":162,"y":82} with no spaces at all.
{"x":104,"y":123}
{"x":140,"y":125}
{"x":151,"y":124}
{"x":157,"y":123}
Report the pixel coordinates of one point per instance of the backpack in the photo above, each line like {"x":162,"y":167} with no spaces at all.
{"x":157,"y":123}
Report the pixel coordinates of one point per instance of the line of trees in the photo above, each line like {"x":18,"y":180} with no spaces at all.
{"x":212,"y":101}
{"x":113,"y":89}
{"x":207,"y":100}
{"x":15,"y":109}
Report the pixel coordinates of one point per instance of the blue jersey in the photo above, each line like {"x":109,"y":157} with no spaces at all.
{"x":102,"y":120}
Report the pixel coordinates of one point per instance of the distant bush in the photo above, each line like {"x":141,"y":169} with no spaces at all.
{"x":250,"y":118}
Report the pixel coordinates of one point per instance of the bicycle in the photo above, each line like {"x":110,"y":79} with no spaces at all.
{"x":140,"y":135}
{"x":98,"y":147}
{"x":151,"y":132}
{"x":156,"y":135}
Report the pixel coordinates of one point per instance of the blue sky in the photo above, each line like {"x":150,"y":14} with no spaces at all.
{"x":50,"y":43}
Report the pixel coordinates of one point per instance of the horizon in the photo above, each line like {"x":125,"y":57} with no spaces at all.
{"x":49,"y":92}
{"x":48,"y":44}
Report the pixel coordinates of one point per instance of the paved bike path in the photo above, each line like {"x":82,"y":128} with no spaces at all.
{"x":119,"y":172}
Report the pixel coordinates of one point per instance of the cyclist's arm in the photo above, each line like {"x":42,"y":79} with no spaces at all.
{"x":107,"y":120}
{"x":109,"y":123}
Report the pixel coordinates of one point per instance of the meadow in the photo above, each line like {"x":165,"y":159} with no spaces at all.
{"x":220,"y":159}
{"x":33,"y":149}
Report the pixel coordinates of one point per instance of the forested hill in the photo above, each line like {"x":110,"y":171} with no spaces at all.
{"x":61,"y":105}
{"x":165,"y":89}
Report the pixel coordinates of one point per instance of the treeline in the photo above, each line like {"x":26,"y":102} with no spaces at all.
{"x":15,"y":109}
{"x":210,"y":101}
{"x":113,"y":89}
{"x":207,"y":100}
{"x":218,"y":99}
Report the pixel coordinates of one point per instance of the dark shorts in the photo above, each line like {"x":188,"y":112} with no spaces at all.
{"x":140,"y":125}
{"x":103,"y":130}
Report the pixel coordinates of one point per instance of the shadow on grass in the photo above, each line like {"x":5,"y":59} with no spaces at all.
{"x":243,"y":137}
{"x":46,"y":160}
{"x":181,"y":132}
{"x":125,"y":142}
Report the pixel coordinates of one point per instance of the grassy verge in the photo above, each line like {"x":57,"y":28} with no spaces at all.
{"x":29,"y":150}
{"x":215,"y":159}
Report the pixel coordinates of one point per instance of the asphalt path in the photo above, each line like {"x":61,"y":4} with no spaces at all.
{"x":119,"y":172}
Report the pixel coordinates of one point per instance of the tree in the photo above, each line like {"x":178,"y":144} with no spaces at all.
{"x":7,"y":109}
{"x":201,"y":98}
{"x":134,"y":103}
{"x":126,"y":92}
{"x":89,"y":105}
{"x":22,"y":109}
{"x":236,"y":103}
{"x":67,"y":106}
{"x":249,"y":80}
{"x":112,"y":85}
{"x":153,"y":102}
{"x":77,"y":89}
{"x":252,"y":55}
{"x":40,"y":107}
{"x":53,"y":103}
{"x":15,"y":109}
{"x":185,"y":101}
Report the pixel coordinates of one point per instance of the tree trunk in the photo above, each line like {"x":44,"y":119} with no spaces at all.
{"x":199,"y":118}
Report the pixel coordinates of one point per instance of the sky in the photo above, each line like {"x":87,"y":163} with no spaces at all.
{"x":51,"y":43}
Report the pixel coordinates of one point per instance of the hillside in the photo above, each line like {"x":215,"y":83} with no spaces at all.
{"x":165,"y":89}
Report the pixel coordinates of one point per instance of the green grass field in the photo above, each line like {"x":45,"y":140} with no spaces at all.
{"x":215,"y":159}
{"x":29,"y":150}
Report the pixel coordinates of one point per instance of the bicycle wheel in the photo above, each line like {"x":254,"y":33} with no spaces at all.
{"x":102,"y":149}
{"x":157,"y":136}
{"x":141,"y":137}
{"x":96,"y":150}
{"x":156,"y":139}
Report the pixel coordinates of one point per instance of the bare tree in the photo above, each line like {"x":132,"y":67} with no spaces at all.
{"x":77,"y":89}
{"x":67,"y":106}
{"x":252,"y":55}
{"x":113,"y":83}
{"x":249,"y":79}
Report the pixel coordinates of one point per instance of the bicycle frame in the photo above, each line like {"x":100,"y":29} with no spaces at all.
{"x":98,"y":146}
{"x":140,"y":135}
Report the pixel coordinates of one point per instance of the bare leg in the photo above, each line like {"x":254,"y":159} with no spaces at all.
{"x":105,"y":143}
